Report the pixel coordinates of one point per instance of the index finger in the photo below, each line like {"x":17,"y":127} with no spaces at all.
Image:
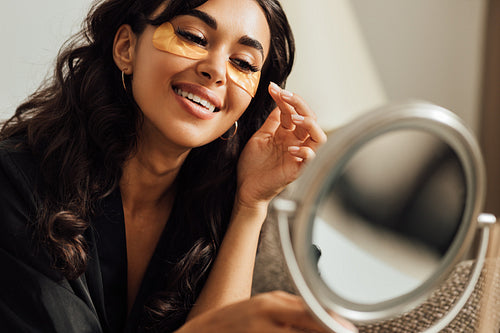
{"x":298,"y":104}
{"x":286,"y":110}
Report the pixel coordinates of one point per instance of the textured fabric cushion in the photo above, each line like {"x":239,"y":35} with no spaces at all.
{"x":480,"y":314}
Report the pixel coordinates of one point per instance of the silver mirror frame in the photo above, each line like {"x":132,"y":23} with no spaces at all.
{"x":294,"y":207}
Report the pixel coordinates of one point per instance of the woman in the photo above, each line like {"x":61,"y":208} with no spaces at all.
{"x":134,"y":184}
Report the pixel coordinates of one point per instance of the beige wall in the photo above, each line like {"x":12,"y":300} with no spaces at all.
{"x":333,"y":71}
{"x":32,"y":32}
{"x":354,"y":54}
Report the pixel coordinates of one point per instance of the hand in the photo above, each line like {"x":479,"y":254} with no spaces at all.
{"x":276,"y":153}
{"x":275,"y":312}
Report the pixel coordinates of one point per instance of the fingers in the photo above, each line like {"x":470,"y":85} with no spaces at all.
{"x":305,"y":120}
{"x":276,"y":312}
{"x":303,"y":153}
{"x":308,"y":128}
{"x":290,"y":312}
{"x":286,"y":109}
{"x":344,"y":322}
{"x":299,"y":318}
{"x":296,"y":104}
{"x":296,"y":115}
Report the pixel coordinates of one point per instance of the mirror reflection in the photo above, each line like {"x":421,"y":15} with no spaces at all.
{"x":384,"y":224}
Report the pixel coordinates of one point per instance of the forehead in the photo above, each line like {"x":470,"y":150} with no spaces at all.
{"x":241,"y":13}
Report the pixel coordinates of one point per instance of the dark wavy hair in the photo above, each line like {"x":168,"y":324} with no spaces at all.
{"x":82,"y":126}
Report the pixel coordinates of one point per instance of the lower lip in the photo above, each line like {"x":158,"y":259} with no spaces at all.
{"x":194,"y":109}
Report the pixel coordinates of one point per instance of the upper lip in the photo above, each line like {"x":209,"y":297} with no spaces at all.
{"x":202,"y":92}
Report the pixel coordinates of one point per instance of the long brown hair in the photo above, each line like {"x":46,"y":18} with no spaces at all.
{"x":82,"y":126}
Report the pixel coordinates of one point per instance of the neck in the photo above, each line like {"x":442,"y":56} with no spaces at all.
{"x":149,"y":178}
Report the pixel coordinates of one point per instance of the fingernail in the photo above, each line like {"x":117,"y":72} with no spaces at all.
{"x":297,"y":117}
{"x":275,"y":87}
{"x":286,"y":93}
{"x":293,"y":149}
{"x":347,"y":324}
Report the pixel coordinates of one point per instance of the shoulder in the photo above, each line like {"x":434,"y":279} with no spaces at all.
{"x":18,"y":172}
{"x":19,"y":205}
{"x":17,"y":163}
{"x":17,"y":183}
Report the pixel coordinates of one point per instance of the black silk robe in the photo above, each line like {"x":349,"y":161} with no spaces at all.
{"x":34,"y":297}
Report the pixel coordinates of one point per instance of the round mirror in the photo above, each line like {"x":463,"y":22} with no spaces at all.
{"x":380,"y":218}
{"x":390,"y":212}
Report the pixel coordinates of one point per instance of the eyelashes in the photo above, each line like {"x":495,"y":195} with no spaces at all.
{"x":245,"y":66}
{"x":201,"y":41}
{"x":190,"y":37}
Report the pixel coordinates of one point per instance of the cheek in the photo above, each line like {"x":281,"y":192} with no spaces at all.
{"x":152,"y":76}
{"x":238,"y":101}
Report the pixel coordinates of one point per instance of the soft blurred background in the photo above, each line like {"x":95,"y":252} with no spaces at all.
{"x":352,"y":56}
{"x":32,"y":32}
{"x":357,"y":54}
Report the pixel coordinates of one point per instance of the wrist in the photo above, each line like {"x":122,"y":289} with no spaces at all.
{"x":251,"y":206}
{"x":250,"y":210}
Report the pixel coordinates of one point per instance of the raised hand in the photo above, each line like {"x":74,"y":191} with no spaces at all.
{"x":276,"y":153}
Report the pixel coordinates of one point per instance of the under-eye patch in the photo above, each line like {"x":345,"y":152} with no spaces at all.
{"x":165,"y":39}
{"x":246,"y":81}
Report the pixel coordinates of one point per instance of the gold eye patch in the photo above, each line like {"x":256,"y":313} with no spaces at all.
{"x":246,"y":81}
{"x":165,"y":39}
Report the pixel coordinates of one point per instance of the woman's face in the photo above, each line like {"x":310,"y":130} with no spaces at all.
{"x":232,"y":32}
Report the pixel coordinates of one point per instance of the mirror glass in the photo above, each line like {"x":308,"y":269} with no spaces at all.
{"x":385,"y":221}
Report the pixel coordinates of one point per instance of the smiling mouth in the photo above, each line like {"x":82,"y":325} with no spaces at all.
{"x":197,"y":100}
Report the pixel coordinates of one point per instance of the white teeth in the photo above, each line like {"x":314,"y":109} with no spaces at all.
{"x":196,"y":99}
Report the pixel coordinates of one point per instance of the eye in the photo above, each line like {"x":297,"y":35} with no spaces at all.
{"x":244,"y":66}
{"x":191,"y":37}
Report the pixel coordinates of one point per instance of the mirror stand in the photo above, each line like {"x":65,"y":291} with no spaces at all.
{"x":485,"y":221}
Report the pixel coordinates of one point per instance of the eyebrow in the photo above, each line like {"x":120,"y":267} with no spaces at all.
{"x":208,"y":19}
{"x":212,"y":23}
{"x":248,"y":41}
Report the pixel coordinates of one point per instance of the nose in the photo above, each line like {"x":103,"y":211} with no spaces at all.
{"x":213,"y":69}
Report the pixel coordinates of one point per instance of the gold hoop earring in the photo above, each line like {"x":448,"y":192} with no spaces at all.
{"x":232,"y":135}
{"x":123,"y":79}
